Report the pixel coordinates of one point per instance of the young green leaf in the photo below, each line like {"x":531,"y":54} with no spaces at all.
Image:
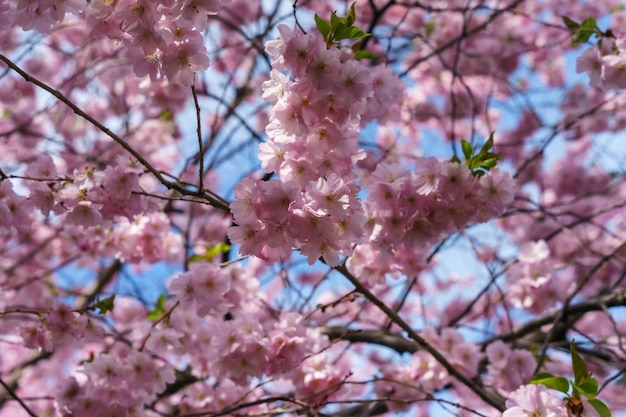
{"x":541,"y":375}
{"x":210,"y":253}
{"x":580,"y":368}
{"x":586,"y":29}
{"x":350,"y":33}
{"x":589,"y":388}
{"x":570,"y":24}
{"x":88,"y":360}
{"x":363,"y":54}
{"x":589,"y":24}
{"x":581,"y":37}
{"x":550,"y":381}
{"x":105,"y":305}
{"x":336,"y":22}
{"x":490,"y":162}
{"x":159,"y":308}
{"x":467,"y":149}
{"x":429,"y":28}
{"x":600,"y":408}
{"x":323,"y":26}
{"x":351,"y":15}
{"x":196,"y":258}
{"x":484,"y":160}
{"x":487,"y":145}
{"x":217,"y":250}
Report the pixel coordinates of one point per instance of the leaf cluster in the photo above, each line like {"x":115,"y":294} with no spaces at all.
{"x":583,"y":384}
{"x":342,"y":28}
{"x":104,"y":305}
{"x":210,"y":253}
{"x":479,"y":162}
{"x":583,"y":31}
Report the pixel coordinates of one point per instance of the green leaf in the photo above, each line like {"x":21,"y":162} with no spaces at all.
{"x":467,"y":149}
{"x":550,"y":381}
{"x":570,"y":24}
{"x":104,"y":305}
{"x":541,"y":375}
{"x":600,"y":408}
{"x":351,"y":32}
{"x":487,"y":146}
{"x":455,"y":159}
{"x":166,"y":116}
{"x":581,"y":37}
{"x":351,"y":15}
{"x":322,"y":25}
{"x":88,"y":360}
{"x":159,"y":308}
{"x":491,"y":157}
{"x":589,"y":388}
{"x":580,"y":368}
{"x":473,"y":164}
{"x":217,"y":249}
{"x":210,"y":253}
{"x":587,"y":28}
{"x":196,"y":258}
{"x":363,"y":54}
{"x":589,"y":24}
{"x":489,"y":163}
{"x":336,"y":22}
{"x":429,"y":28}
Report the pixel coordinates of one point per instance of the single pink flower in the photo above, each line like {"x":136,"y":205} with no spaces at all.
{"x":534,"y":401}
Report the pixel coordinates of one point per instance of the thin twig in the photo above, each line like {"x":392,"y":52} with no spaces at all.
{"x":199,"y":131}
{"x":215,"y":201}
{"x":18,"y":399}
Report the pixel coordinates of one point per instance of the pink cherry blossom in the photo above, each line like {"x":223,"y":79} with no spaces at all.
{"x":213,"y":207}
{"x":534,"y":400}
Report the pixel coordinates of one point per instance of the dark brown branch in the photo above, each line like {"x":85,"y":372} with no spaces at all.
{"x":495,"y":401}
{"x":385,"y":338}
{"x":216,"y":202}
{"x":18,"y":399}
{"x":526,"y":334}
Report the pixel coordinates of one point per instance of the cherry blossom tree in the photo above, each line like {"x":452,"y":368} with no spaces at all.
{"x":322,"y":208}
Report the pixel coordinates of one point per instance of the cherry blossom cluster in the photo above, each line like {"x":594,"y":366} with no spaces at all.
{"x":508,"y":368}
{"x":223,"y":335}
{"x":606,"y":65}
{"x":114,"y":384}
{"x":549,"y":270}
{"x":146,"y":238}
{"x":210,"y":397}
{"x":161,"y":38}
{"x":534,"y":400}
{"x":89,"y":197}
{"x":407,"y":211}
{"x":535,"y":283}
{"x":205,"y":287}
{"x":314,"y":379}
{"x":243,"y":345}
{"x":247,"y":348}
{"x":312,"y":146}
{"x":424,"y":375}
{"x":59,"y":327}
{"x":13,"y":216}
{"x":123,"y":223}
{"x":222,"y":320}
